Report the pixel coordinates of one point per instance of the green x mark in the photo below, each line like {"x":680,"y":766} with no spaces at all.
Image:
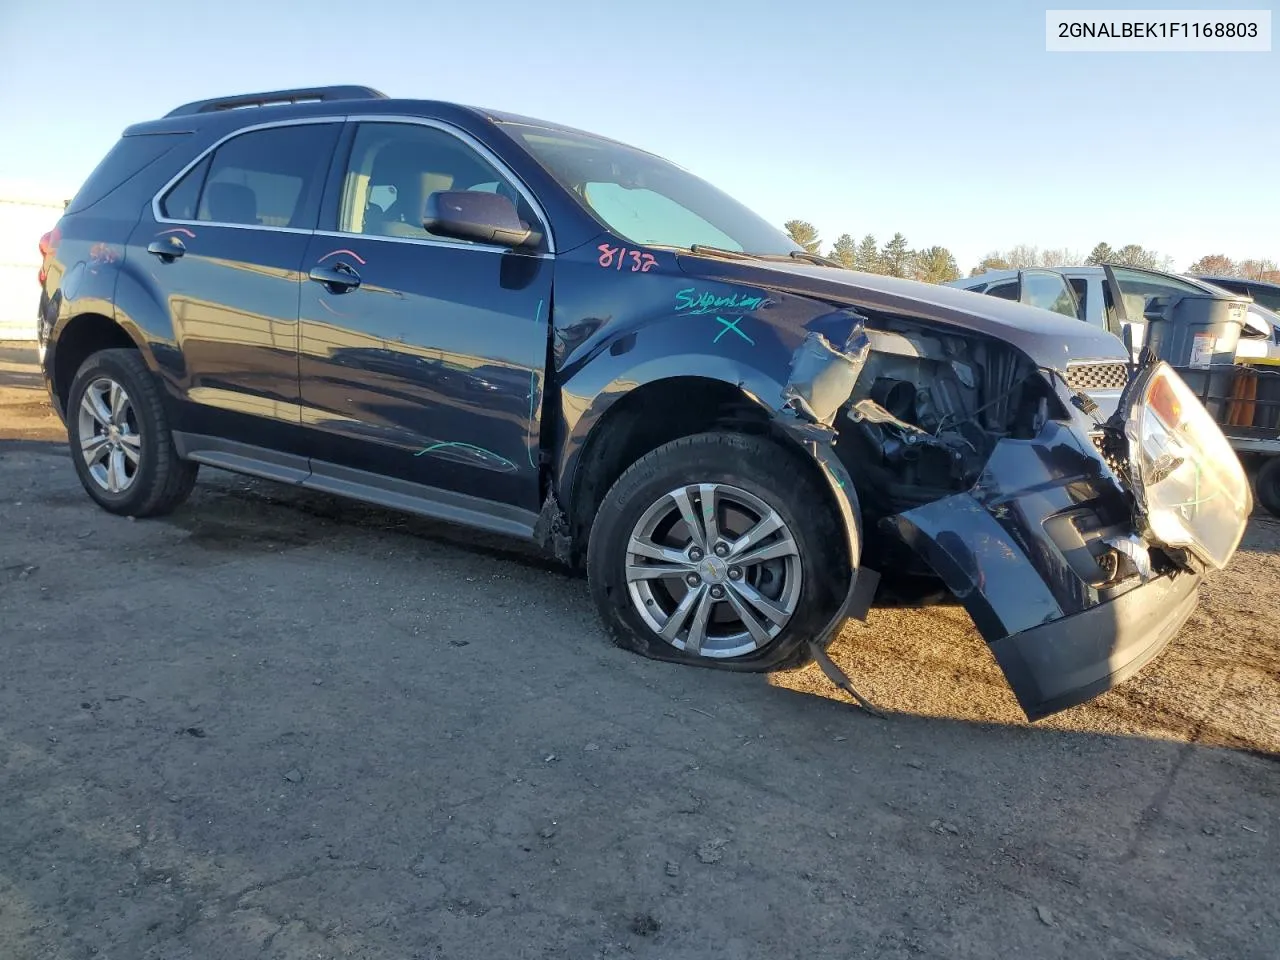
{"x":734,"y":327}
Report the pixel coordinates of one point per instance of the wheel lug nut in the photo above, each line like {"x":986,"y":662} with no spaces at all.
{"x":735,"y":573}
{"x":693,"y":579}
{"x":695,"y":554}
{"x":722,"y":549}
{"x":717,"y":592}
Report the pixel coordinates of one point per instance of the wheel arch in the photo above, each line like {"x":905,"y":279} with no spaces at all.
{"x":640,"y":418}
{"x":79,"y":337}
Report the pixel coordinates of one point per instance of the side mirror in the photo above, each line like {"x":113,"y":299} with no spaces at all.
{"x":475,"y":215}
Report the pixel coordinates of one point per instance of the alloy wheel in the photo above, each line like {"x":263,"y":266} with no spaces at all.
{"x":109,"y":438}
{"x":713,"y":570}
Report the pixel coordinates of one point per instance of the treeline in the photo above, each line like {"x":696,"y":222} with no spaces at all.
{"x":1024,"y":256}
{"x":938,"y":265}
{"x":1220,"y":265}
{"x":895,"y":258}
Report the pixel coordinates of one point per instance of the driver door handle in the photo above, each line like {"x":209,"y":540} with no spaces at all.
{"x":168,"y":250}
{"x":338,"y":278}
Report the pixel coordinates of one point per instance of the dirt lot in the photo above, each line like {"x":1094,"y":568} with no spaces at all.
{"x":278,"y":725}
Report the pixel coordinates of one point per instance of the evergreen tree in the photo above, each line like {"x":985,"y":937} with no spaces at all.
{"x":896,"y":257}
{"x":804,"y":233}
{"x":845,"y":251}
{"x":868,"y":257}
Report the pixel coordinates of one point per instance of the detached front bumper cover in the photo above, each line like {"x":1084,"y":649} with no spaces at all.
{"x":1072,"y":660}
{"x":1058,"y":643}
{"x":1011,"y":551}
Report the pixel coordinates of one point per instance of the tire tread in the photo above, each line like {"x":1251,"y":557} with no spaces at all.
{"x":173,"y":478}
{"x":766,"y":462}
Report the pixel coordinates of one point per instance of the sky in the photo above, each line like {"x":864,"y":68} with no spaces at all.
{"x":946,"y":121}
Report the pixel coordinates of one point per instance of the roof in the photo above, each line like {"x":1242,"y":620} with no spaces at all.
{"x":1222,"y":278}
{"x":326,"y":101}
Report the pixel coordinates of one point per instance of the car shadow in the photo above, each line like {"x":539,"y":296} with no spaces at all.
{"x":913,"y":657}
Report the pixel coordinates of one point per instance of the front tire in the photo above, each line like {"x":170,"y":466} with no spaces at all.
{"x":719,"y":550}
{"x":120,"y":440}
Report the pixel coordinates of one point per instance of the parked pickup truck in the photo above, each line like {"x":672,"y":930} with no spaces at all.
{"x":532,"y":330}
{"x":1115,"y":298}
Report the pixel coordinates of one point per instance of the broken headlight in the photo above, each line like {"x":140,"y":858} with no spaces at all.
{"x":1189,"y":481}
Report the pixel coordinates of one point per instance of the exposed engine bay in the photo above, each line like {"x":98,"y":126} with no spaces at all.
{"x":928,"y":408}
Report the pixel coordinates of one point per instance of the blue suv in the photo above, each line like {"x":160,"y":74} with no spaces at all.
{"x":536,"y":331}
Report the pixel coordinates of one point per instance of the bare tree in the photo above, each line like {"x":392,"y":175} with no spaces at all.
{"x":1256,"y":269}
{"x":1022,"y":256}
{"x":1061,"y":257}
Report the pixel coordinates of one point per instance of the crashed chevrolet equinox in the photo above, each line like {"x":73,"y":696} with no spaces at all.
{"x":535,"y":331}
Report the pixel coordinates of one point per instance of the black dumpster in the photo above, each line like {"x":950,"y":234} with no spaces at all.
{"x":1197,"y":334}
{"x":1196,"y":330}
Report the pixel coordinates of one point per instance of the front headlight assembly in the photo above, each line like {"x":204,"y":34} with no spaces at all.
{"x":1189,"y":482}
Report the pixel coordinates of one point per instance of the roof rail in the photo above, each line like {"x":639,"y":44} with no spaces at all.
{"x":277,"y":96}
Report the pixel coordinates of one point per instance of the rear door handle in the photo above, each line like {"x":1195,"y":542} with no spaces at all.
{"x":168,"y":250}
{"x":338,"y":278}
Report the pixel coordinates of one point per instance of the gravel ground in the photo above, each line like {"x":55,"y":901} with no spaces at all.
{"x":275,"y":724}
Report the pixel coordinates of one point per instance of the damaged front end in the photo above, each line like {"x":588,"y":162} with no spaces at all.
{"x":1075,"y":545}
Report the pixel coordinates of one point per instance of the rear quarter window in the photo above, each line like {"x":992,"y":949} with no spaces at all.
{"x":129,"y":157}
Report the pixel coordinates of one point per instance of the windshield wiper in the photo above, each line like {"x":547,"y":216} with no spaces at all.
{"x":721,"y":252}
{"x":805,"y":255}
{"x":817,"y":258}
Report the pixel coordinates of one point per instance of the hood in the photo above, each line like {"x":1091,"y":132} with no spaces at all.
{"x":1049,"y":339}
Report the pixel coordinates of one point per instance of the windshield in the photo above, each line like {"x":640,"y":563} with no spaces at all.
{"x":646,"y":199}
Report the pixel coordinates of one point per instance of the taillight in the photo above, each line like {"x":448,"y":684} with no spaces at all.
{"x":48,"y":247}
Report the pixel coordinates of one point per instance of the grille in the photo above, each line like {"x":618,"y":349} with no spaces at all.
{"x":1097,"y":376}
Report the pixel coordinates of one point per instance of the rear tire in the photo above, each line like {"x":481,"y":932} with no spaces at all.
{"x":1266,"y":486}
{"x":120,"y":440}
{"x":732,"y":610}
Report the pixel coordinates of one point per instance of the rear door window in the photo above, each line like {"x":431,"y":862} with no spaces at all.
{"x":271,"y":177}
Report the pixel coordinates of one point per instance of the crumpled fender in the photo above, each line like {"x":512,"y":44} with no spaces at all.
{"x":822,"y":377}
{"x":862,"y":585}
{"x":801,"y":392}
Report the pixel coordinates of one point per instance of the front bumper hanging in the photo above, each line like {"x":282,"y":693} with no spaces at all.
{"x":1059,"y":640}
